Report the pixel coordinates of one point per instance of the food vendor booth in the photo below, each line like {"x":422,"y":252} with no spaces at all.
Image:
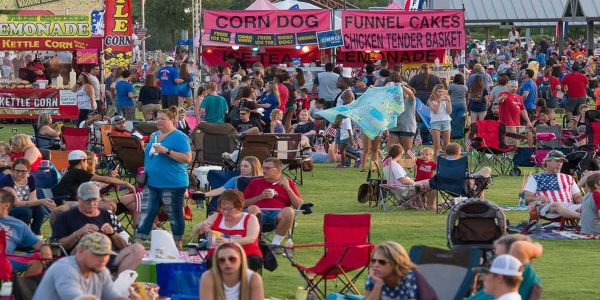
{"x":42,"y":54}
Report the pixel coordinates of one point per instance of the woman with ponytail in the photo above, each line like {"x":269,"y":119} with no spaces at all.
{"x":229,"y":278}
{"x":423,"y":83}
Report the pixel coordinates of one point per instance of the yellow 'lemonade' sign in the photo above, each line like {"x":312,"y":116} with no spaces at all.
{"x":65,"y":26}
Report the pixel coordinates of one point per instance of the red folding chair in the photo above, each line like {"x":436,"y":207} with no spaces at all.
{"x":347,"y":248}
{"x":75,"y":138}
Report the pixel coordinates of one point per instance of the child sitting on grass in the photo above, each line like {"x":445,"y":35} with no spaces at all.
{"x":590,"y":208}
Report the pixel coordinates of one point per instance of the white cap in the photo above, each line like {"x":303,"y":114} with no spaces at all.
{"x":77,"y":155}
{"x":347,"y":72}
{"x":237,"y":77}
{"x":506,"y":265}
{"x":170,"y":59}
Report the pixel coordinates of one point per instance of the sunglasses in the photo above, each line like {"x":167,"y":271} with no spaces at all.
{"x":21,"y":171}
{"x":382,"y":262}
{"x":231,"y":259}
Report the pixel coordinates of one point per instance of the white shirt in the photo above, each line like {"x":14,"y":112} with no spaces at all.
{"x":442,"y":114}
{"x":393,"y":172}
{"x":345,"y":125}
{"x":233,"y":293}
{"x":510,"y":296}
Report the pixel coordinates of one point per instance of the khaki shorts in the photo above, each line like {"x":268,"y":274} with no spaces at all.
{"x":509,"y":141}
{"x":149,"y":110}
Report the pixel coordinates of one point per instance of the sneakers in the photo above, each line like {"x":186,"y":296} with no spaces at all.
{"x":357,"y":163}
{"x":340,"y":166}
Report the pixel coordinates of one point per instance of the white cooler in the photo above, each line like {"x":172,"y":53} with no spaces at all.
{"x":201,"y":174}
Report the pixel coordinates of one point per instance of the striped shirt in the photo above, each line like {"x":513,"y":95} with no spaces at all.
{"x":556,"y":187}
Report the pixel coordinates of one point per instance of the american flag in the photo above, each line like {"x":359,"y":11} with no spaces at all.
{"x":418,"y":140}
{"x":468,"y":144}
{"x":411,"y":153}
{"x":555,"y":187}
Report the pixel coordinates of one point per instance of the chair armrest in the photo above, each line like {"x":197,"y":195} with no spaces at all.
{"x":306,"y":208}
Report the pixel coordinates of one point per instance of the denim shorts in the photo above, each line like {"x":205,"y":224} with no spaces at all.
{"x":441,"y":125}
{"x":270,"y":216}
{"x":338,"y":139}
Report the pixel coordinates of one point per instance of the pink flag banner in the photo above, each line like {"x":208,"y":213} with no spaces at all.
{"x":267,"y":21}
{"x":403,"y":30}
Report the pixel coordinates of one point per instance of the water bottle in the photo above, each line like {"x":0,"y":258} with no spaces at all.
{"x":288,"y":248}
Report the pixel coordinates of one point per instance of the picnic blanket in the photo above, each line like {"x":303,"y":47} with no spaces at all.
{"x":184,"y":255}
{"x":550,"y":231}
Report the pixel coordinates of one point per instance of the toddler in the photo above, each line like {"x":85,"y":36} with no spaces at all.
{"x":276,"y":121}
{"x":590,"y":219}
{"x":425,"y":165}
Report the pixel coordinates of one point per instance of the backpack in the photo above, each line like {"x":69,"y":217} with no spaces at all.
{"x":545,"y":91}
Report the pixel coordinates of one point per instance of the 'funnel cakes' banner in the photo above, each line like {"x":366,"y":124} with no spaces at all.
{"x":402,"y":30}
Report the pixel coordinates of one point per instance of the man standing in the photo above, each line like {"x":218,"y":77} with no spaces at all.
{"x":511,"y":111}
{"x":557,"y":193}
{"x":503,"y":278}
{"x":276,"y":193}
{"x":70,"y":227}
{"x":326,"y":82}
{"x":575,"y":84}
{"x":18,"y":235}
{"x":84,"y":273}
{"x":528,"y":92}
{"x":169,"y":79}
{"x":549,"y":86}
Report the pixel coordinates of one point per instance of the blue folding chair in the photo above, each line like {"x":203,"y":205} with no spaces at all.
{"x":448,"y":272}
{"x":216,"y":179}
{"x":450,"y":181}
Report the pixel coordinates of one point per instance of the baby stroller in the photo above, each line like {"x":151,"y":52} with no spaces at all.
{"x":475,"y":223}
{"x":584,"y":158}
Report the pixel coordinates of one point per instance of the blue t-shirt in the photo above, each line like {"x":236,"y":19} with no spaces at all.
{"x":531,"y":87}
{"x":270,"y":99}
{"x":405,"y":290}
{"x":123,"y":88}
{"x":18,"y":233}
{"x":184,"y":89}
{"x":162,"y":170}
{"x":167,"y":76}
{"x":215,"y":107}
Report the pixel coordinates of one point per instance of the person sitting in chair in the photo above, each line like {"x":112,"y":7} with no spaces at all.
{"x":247,"y":125}
{"x":557,"y":193}
{"x":453,"y":152}
{"x":118,"y":124}
{"x":276,"y":193}
{"x":87,"y":217}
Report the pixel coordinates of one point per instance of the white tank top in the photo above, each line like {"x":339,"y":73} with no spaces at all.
{"x":233,"y":293}
{"x":83,"y":100}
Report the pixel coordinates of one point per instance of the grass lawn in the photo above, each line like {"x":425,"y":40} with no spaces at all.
{"x":567,"y":267}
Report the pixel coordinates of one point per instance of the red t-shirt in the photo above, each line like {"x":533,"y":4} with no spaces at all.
{"x":576,"y":84}
{"x":425,"y":169}
{"x":509,"y":111}
{"x":553,"y":83}
{"x":284,"y":95}
{"x":281,"y":199}
{"x":596,"y":196}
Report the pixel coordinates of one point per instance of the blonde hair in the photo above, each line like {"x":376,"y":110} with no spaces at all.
{"x":210,"y":86}
{"x":395,"y":254}
{"x":22,"y":142}
{"x":91,"y":159}
{"x":273,"y":89}
{"x":6,"y":146}
{"x":276,"y":115}
{"x":436,"y":88}
{"x":255,"y":163}
{"x":218,"y":280}
{"x":426,"y":149}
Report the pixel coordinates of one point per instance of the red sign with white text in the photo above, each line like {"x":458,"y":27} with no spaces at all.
{"x":271,"y":56}
{"x":402,"y":30}
{"x":267,"y":21}
{"x":360,"y":58}
{"x":28,"y":103}
{"x":118,"y":40}
{"x":52,"y":44}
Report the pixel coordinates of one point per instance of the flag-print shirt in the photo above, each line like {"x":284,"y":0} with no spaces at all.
{"x":556,"y":187}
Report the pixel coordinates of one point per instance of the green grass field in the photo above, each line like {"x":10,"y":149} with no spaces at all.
{"x":568,"y":268}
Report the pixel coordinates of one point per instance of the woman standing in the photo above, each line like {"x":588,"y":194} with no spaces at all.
{"x":23,"y":147}
{"x":167,"y":156}
{"x":478,"y":96}
{"x":184,"y":89}
{"x":406,"y":124}
{"x":393,"y":276}
{"x":269,"y":101}
{"x":235,"y":225}
{"x":298,"y":79}
{"x":423,"y":83}
{"x":27,"y":208}
{"x":230,"y":278}
{"x":458,"y":97}
{"x":150,"y":98}
{"x":84,"y":91}
{"x":441,"y":108}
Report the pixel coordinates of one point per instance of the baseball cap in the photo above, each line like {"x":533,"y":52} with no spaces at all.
{"x":513,"y":83}
{"x":170,"y":59}
{"x":237,"y":77}
{"x":506,"y":265}
{"x":97,"y":243}
{"x":88,"y":191}
{"x":555,"y":155}
{"x":117,"y":119}
{"x":77,"y":155}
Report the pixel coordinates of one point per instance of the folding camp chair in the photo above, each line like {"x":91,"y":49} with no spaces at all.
{"x":391,"y":197}
{"x":288,"y":150}
{"x":450,"y":181}
{"x":145,"y":128}
{"x":59,"y":159}
{"x":487,"y":138}
{"x":259,"y":145}
{"x":130,"y":155}
{"x":210,"y":141}
{"x":107,"y":161}
{"x":448,"y":272}
{"x":548,"y":143}
{"x":216,"y":179}
{"x":75,"y":138}
{"x":347,"y":248}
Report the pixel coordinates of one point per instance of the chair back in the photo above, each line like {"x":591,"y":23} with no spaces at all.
{"x":210,"y":140}
{"x":129,"y":151}
{"x":5,"y":266}
{"x":59,"y":159}
{"x":489,"y":133}
{"x":341,"y":232}
{"x":75,"y":138}
{"x":260,"y":145}
{"x":216,"y":179}
{"x":145,"y":128}
{"x":287,"y":148}
{"x":448,"y":272}
{"x":451,"y":175}
{"x":105,"y":129}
